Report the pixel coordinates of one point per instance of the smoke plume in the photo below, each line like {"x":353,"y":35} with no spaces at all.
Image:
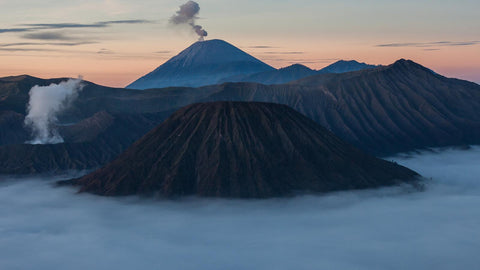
{"x":45,"y":103}
{"x":187,"y":16}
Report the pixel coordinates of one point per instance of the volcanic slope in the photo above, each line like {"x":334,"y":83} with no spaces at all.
{"x":278,"y":76}
{"x":297,"y":72}
{"x":240,"y":150}
{"x":203,"y":63}
{"x":343,"y":66}
{"x":384,"y":110}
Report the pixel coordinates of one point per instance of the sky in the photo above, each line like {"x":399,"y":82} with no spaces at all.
{"x":392,"y":228}
{"x":114,"y":42}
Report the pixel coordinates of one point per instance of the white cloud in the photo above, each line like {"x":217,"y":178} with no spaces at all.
{"x":53,"y":228}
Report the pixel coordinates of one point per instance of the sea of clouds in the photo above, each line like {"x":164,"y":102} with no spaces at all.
{"x":44,"y":227}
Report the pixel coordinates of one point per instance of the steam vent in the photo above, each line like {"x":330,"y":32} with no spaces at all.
{"x":240,"y":150}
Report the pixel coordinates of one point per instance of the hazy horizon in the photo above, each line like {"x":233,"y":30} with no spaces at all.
{"x":114,"y":42}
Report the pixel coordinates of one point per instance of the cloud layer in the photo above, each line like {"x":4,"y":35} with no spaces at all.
{"x":68,"y":44}
{"x":62,"y":31}
{"x":394,"y":228}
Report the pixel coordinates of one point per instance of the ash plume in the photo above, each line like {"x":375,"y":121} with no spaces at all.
{"x":187,"y":16}
{"x":45,"y":103}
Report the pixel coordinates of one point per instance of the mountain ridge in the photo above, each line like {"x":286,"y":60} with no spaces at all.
{"x":384,"y":111}
{"x":277,"y":76}
{"x":298,"y":71}
{"x":343,"y":66}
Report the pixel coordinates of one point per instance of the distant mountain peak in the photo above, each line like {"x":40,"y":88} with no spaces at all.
{"x":343,"y":66}
{"x":406,"y":64}
{"x":276,"y":76}
{"x":202,"y":63}
{"x":348,"y":61}
{"x":17,"y":78}
{"x":296,"y":67}
{"x":211,"y":51}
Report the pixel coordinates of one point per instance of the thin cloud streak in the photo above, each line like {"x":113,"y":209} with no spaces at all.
{"x":43,"y":26}
{"x":76,"y":53}
{"x":46,"y":44}
{"x":430,"y":44}
{"x":49,"y":26}
{"x":298,"y":60}
{"x":262,"y":47}
{"x":283,"y":52}
{"x":127,"y":22}
{"x":48,"y":36}
{"x":105,"y":51}
{"x":14,"y":30}
{"x":28,"y":50}
{"x":78,"y":25}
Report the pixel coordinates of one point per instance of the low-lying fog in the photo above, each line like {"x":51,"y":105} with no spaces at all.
{"x":42,"y":227}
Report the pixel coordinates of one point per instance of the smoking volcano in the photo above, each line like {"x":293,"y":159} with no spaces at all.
{"x":203,"y":63}
{"x":45,"y":103}
{"x":240,"y":150}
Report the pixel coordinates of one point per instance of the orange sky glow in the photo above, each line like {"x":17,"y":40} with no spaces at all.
{"x":443,"y":37}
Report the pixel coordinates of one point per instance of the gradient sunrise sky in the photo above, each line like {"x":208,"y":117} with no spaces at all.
{"x":113,"y":42}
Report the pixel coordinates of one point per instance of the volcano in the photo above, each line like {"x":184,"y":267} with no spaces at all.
{"x":240,"y":150}
{"x":203,"y":63}
{"x":297,"y":72}
{"x":278,"y":76}
{"x":343,"y":66}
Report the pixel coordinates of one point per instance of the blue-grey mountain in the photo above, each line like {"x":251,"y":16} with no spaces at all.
{"x":278,"y":76}
{"x":343,"y":66}
{"x":203,"y":63}
{"x":297,"y":72}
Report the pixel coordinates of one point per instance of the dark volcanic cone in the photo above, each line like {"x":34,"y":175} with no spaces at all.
{"x":243,"y":150}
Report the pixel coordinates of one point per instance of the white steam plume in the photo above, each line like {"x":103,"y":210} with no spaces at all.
{"x":45,"y":103}
{"x":187,"y":15}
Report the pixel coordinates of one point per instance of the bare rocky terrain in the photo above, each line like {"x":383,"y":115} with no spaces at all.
{"x":240,"y":150}
{"x":383,"y":111}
